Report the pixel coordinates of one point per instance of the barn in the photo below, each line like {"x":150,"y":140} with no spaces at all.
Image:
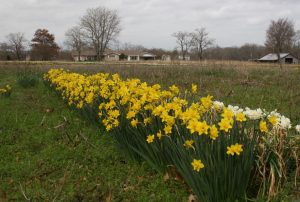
{"x":285,"y":58}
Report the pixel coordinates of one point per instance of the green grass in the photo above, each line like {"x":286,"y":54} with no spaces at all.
{"x":49,"y":152}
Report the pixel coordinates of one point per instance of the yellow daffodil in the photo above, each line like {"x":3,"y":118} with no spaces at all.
{"x":134,"y":123}
{"x":188,"y":143}
{"x":194,"y":88}
{"x":147,"y":120}
{"x":130,"y":114}
{"x":168,"y":130}
{"x":207,"y":101}
{"x":225,"y":124}
{"x":159,"y":135}
{"x":227,"y":113}
{"x":213,"y":132}
{"x":197,"y":165}
{"x":273,"y":120}
{"x":263,"y":126}
{"x":235,"y":149}
{"x":150,"y":139}
{"x":240,"y":116}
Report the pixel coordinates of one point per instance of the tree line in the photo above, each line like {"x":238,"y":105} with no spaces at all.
{"x":42,"y":46}
{"x":96,"y":29}
{"x":280,"y":37}
{"x":99,"y":28}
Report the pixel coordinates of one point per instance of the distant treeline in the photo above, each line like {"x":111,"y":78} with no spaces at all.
{"x":244,"y":53}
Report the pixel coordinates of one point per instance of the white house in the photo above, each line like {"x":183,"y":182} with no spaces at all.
{"x":136,"y":55}
{"x":166,"y":58}
{"x":186,"y":57}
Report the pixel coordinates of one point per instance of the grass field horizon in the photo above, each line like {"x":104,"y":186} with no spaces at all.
{"x":51,"y":153}
{"x":248,"y":84}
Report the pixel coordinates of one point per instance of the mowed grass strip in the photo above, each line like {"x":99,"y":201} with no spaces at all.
{"x":49,"y":153}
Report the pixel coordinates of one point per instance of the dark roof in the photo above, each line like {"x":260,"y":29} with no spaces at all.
{"x":137,"y":53}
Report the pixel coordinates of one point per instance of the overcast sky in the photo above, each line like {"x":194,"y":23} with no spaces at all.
{"x":151,"y":22}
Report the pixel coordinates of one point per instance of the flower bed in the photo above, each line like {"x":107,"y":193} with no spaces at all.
{"x":224,"y":153}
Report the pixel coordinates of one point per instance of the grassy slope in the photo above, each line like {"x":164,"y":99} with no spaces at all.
{"x":47,"y":151}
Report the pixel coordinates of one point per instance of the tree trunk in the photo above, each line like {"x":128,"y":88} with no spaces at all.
{"x":97,"y":54}
{"x":279,"y":60}
{"x":182,"y":52}
{"x":18,"y":55}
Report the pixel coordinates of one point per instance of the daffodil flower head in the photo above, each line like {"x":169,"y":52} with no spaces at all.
{"x":235,"y":149}
{"x":197,"y":165}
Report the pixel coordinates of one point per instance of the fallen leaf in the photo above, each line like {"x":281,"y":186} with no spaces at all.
{"x":192,"y":198}
{"x":166,"y":177}
{"x":109,"y":196}
{"x":3,"y":196}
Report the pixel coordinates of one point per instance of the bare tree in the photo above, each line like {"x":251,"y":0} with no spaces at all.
{"x":17,"y":43}
{"x":200,"y":41}
{"x":101,"y":25}
{"x":296,"y":45}
{"x":280,"y":36}
{"x":75,"y":39}
{"x":184,"y":41}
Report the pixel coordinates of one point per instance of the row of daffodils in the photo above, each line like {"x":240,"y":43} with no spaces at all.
{"x":224,"y":153}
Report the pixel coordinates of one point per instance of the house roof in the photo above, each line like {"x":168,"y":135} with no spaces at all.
{"x":273,"y":56}
{"x":148,"y":55}
{"x":137,"y":53}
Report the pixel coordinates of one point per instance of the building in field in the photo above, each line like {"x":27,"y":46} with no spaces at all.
{"x":186,"y":57}
{"x":138,"y":55}
{"x":285,"y":58}
{"x":166,"y":58}
{"x":90,"y":55}
{"x":110,"y":55}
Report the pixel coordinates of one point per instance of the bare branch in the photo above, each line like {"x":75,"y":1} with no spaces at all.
{"x":201,"y":41}
{"x":75,"y":39}
{"x":17,"y":43}
{"x":280,"y":36}
{"x":184,"y":41}
{"x":102,"y":25}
